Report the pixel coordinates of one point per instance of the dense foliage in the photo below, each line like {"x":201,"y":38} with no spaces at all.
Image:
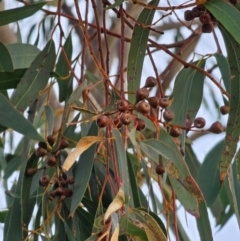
{"x":109,"y":99}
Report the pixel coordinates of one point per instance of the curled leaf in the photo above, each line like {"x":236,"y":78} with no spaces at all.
{"x":115,"y":205}
{"x":82,"y":145}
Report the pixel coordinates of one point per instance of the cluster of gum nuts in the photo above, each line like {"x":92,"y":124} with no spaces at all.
{"x":60,"y":183}
{"x":204,"y":17}
{"x":143,"y":104}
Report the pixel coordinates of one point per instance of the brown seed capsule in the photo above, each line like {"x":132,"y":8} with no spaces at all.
{"x":122,"y":105}
{"x":168,"y":115}
{"x":188,"y":15}
{"x":216,"y":128}
{"x":175,"y":132}
{"x":140,"y":124}
{"x":102,"y":121}
{"x":224,"y":109}
{"x":141,"y":94}
{"x":204,"y":18}
{"x":67,"y":192}
{"x":160,"y":169}
{"x":143,"y":107}
{"x":44,"y":180}
{"x":31,"y":171}
{"x":199,"y":122}
{"x":188,"y":122}
{"x":42,"y":144}
{"x":207,"y":28}
{"x":59,"y":192}
{"x":51,"y":161}
{"x":150,"y":82}
{"x":153,"y":101}
{"x":40,"y":152}
{"x":125,"y":118}
{"x":64,"y":144}
{"x":51,"y":139}
{"x":70,"y":180}
{"x":52,"y":194}
{"x":164,"y":102}
{"x":195,"y":12}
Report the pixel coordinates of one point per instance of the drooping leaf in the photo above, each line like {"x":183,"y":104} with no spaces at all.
{"x":13,"y":15}
{"x":234,"y":185}
{"x":82,"y":146}
{"x":76,"y":94}
{"x":203,"y":223}
{"x":224,"y":68}
{"x":150,"y":226}
{"x":187,"y":93}
{"x":115,"y":205}
{"x":83,"y":170}
{"x":138,"y":48}
{"x":233,"y":127}
{"x":227,"y":15}
{"x":6,"y":63}
{"x":22,"y":54}
{"x":65,"y":86}
{"x":208,"y":178}
{"x":11,"y":118}
{"x":35,"y":78}
{"x":50,"y":118}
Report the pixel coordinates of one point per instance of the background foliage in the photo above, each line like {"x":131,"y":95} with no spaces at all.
{"x":117,"y":107}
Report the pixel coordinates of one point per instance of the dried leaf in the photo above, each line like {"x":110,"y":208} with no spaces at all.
{"x":115,"y":234}
{"x":115,"y":205}
{"x":82,"y":145}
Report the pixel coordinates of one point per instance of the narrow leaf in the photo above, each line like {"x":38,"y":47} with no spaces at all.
{"x":6,"y":63}
{"x":224,"y":67}
{"x":35,"y":78}
{"x":50,"y":118}
{"x":77,"y":92}
{"x":203,"y":223}
{"x":82,"y":146}
{"x":11,"y":118}
{"x":116,"y":4}
{"x":83,"y":171}
{"x":16,"y":14}
{"x":138,"y":48}
{"x":62,"y":69}
{"x":233,"y":128}
{"x":152,"y":229}
{"x":115,"y":205}
{"x":227,"y":15}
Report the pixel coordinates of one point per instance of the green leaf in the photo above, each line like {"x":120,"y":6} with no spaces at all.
{"x":203,"y":223}
{"x":150,"y":226}
{"x":132,"y":178}
{"x":50,"y":118}
{"x":22,"y":54}
{"x":77,"y":92}
{"x":83,"y":171}
{"x":234,"y":184}
{"x":184,"y":196}
{"x":65,"y":86}
{"x":13,"y":15}
{"x":35,"y":78}
{"x":224,"y":67}
{"x":187,"y":93}
{"x":10,"y":80}
{"x":208,"y":178}
{"x":116,"y":4}
{"x":6,"y":63}
{"x":233,"y":128}
{"x":11,"y":118}
{"x":3,"y":214}
{"x":227,"y":15}
{"x":138,"y":48}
